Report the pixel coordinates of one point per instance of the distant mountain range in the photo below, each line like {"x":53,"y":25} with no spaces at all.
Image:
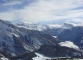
{"x":23,"y":38}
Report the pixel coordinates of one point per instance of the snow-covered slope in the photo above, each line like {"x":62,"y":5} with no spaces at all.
{"x":51,"y":29}
{"x":30,"y":26}
{"x":39,"y":57}
{"x":19,"y":40}
{"x":42,"y":57}
{"x":6,"y":37}
{"x":39,"y":27}
{"x":42,"y":27}
{"x":64,"y":31}
{"x":69,"y":44}
{"x":2,"y":57}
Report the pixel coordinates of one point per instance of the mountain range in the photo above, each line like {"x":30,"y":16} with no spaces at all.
{"x":19,"y":40}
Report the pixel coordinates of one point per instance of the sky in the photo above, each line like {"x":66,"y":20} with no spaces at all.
{"x":33,"y":11}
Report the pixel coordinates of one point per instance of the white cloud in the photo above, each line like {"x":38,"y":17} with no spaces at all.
{"x":12,"y":3}
{"x":7,"y":16}
{"x":46,"y":10}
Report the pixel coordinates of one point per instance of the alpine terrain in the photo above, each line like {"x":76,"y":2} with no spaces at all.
{"x":25,"y":41}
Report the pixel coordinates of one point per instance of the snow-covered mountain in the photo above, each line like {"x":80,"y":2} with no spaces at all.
{"x":60,"y":30}
{"x":40,"y":27}
{"x":22,"y":38}
{"x":19,"y":40}
{"x":31,"y":26}
{"x":66,"y":31}
{"x":49,"y":28}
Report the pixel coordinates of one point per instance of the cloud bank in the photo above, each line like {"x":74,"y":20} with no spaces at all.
{"x":43,"y":10}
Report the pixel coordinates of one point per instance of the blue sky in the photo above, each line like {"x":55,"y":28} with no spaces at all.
{"x":41,"y":10}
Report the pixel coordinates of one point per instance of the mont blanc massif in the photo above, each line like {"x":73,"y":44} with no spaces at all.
{"x":51,"y":41}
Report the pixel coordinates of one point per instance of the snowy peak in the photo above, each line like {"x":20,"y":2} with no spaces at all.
{"x":72,"y":24}
{"x":31,"y":26}
{"x":41,"y":27}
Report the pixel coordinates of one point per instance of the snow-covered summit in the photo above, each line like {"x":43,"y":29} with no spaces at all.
{"x":32,"y":26}
{"x":41,"y":27}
